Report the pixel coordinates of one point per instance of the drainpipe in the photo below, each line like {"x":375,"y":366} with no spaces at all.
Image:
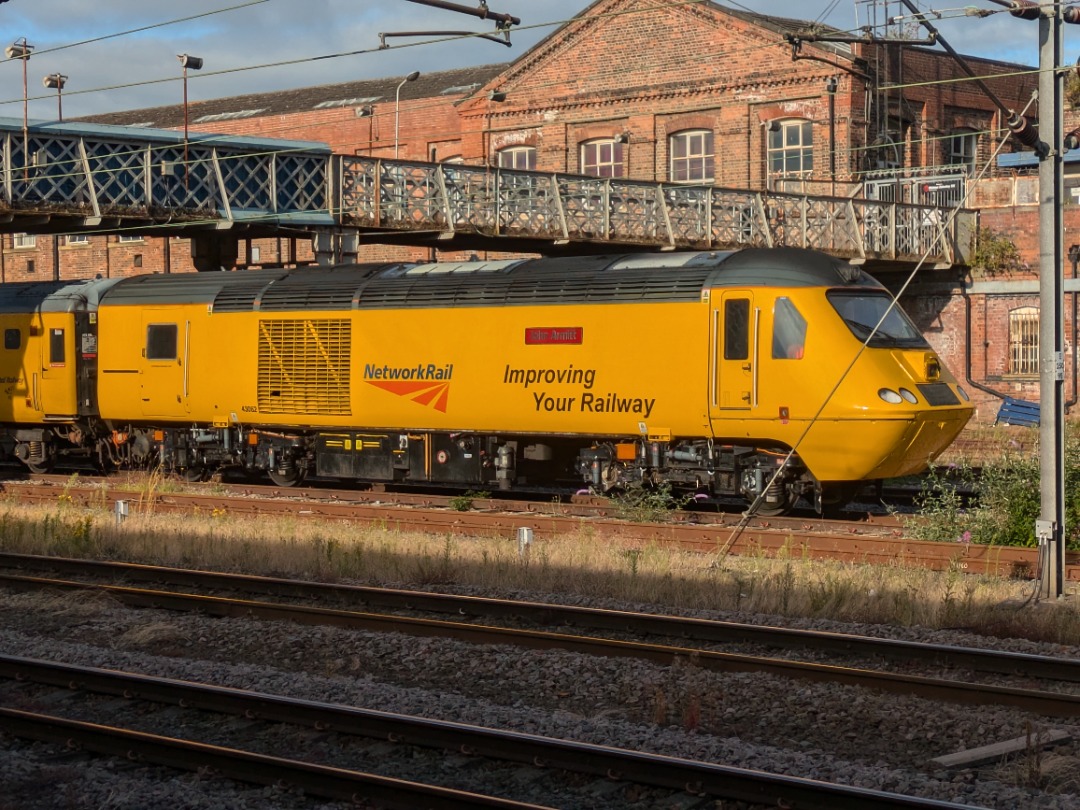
{"x":967,"y":349}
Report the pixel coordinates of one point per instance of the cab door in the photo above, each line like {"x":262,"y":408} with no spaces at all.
{"x":734,"y":338}
{"x":56,"y":394}
{"x":163,"y":379}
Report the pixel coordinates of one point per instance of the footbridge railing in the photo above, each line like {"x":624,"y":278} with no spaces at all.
{"x":454,"y":201}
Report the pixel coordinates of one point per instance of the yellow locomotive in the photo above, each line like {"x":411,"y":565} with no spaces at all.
{"x":699,"y":370}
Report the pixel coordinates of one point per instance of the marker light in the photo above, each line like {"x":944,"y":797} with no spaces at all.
{"x":889,"y":396}
{"x":963,"y":394}
{"x":910,"y":397}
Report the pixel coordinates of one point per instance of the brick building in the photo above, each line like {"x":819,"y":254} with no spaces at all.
{"x":685,"y":93}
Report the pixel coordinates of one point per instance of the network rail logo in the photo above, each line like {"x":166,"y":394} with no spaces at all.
{"x":425,"y":383}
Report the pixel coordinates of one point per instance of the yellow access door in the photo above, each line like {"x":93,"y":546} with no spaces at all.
{"x":163,"y":376}
{"x":55,"y":391}
{"x":734,"y":338}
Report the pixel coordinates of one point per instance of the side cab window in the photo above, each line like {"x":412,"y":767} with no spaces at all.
{"x":161,"y":341}
{"x":789,"y":331}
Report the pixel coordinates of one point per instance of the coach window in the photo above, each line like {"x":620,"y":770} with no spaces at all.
{"x":603,"y":158}
{"x":518,"y":157}
{"x":789,"y":331}
{"x":737,"y":329}
{"x":791,"y":148}
{"x":12,"y":339}
{"x":161,"y":341}
{"x":692,"y":156}
{"x":1024,"y":342}
{"x":57,"y":351}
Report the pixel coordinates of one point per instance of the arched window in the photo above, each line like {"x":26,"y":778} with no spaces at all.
{"x":692,"y":156}
{"x":602,"y":158}
{"x":791,"y":147}
{"x":1024,"y":341}
{"x":962,"y":149}
{"x":518,"y":157}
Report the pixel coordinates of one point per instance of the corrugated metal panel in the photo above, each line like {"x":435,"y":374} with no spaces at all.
{"x":304,"y":366}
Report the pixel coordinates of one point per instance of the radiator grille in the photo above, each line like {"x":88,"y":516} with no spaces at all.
{"x":304,"y":366}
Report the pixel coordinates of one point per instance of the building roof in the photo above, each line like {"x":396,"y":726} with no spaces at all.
{"x":458,"y":82}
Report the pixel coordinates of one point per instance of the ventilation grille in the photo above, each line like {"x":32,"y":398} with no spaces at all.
{"x":237,"y":298}
{"x":328,"y":294}
{"x":623,"y":286}
{"x":304,"y":366}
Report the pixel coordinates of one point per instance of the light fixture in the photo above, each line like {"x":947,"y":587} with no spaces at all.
{"x":412,"y":77}
{"x":622,"y":137}
{"x":365,"y":112}
{"x":496,"y":95}
{"x":193,"y":63}
{"x":56,"y":81}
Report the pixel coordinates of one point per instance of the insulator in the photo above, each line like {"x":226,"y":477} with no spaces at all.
{"x":1025,"y":132}
{"x":1071,"y":14}
{"x":1025,"y":9}
{"x":1072,"y":139}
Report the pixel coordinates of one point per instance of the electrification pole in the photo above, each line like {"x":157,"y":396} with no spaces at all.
{"x":1050,"y":526}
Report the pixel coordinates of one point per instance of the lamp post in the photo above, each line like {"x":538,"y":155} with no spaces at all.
{"x":497,"y":96}
{"x":57,"y":81}
{"x":412,"y":77}
{"x":195,"y":63}
{"x":20,"y":49}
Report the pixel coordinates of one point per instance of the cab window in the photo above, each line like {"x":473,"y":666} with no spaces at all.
{"x":57,"y":349}
{"x":789,"y":331}
{"x":161,"y":341}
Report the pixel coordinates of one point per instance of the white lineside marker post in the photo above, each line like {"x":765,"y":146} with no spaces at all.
{"x":524,"y":538}
{"x":121,"y":511}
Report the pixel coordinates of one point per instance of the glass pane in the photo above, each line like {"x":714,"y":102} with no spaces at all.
{"x":161,"y":341}
{"x":737,"y":329}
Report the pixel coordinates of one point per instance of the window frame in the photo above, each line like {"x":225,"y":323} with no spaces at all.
{"x":24,"y":241}
{"x":968,"y":153}
{"x":593,"y":162}
{"x":514,"y":153}
{"x":781,"y":150}
{"x":699,"y":164}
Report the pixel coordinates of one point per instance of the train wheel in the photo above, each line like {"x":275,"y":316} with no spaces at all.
{"x":286,"y":478}
{"x":776,"y":508}
{"x":40,"y":467}
{"x":194,"y":475}
{"x":832,"y":498}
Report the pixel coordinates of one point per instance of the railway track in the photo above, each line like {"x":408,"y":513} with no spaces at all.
{"x":875,"y":539}
{"x":691,"y":779}
{"x":698,"y":640}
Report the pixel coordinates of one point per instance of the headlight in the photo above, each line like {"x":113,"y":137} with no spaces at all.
{"x":963,"y":394}
{"x":889,"y":396}
{"x":910,"y":397}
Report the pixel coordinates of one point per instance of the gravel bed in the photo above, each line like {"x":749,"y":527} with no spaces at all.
{"x":815,"y":730}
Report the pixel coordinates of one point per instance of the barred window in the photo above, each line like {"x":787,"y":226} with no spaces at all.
{"x":518,"y":157}
{"x":1024,"y":341}
{"x":692,"y":156}
{"x":602,"y":158}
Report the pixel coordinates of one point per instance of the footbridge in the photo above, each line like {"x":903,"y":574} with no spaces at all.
{"x":79,"y":178}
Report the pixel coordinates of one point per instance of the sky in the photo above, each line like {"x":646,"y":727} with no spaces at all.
{"x":122,"y":54}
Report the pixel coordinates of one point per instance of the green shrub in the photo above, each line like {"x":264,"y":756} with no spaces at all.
{"x":1006,"y":504}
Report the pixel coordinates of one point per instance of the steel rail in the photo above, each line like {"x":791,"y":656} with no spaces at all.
{"x":683,"y":627}
{"x":1049,"y":704}
{"x":319,"y":780}
{"x":698,"y":778}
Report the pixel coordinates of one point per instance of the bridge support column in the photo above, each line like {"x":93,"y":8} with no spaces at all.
{"x":336,"y":247}
{"x":214,"y":251}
